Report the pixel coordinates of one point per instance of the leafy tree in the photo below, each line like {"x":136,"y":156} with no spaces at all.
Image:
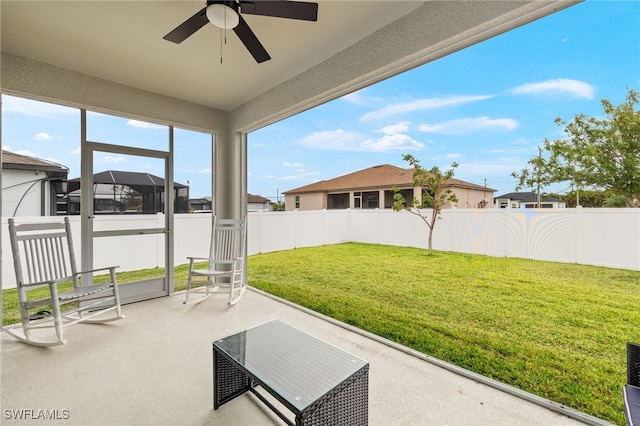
{"x":278,"y":206}
{"x":589,"y":198}
{"x":537,"y":175}
{"x":596,"y":153}
{"x":436,"y":193}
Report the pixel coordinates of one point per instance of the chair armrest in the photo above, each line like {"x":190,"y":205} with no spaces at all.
{"x":106,"y":268}
{"x":112,"y":273}
{"x":48,"y":282}
{"x":197,"y":258}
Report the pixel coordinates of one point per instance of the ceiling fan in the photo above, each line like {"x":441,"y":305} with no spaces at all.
{"x":226,"y":14}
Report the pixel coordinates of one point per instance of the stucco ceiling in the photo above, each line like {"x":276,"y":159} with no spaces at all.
{"x":121,"y":41}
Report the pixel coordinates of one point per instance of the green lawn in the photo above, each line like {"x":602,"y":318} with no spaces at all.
{"x":553,"y":329}
{"x":556,"y":330}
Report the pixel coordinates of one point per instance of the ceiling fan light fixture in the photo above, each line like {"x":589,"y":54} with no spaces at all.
{"x":222,"y":16}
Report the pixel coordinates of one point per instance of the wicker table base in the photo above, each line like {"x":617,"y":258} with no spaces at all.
{"x":319,"y":383}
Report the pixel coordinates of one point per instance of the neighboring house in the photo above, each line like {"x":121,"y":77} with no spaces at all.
{"x":200,"y":205}
{"x":258,"y":203}
{"x":254,"y":203}
{"x":373,"y":188}
{"x":117,"y":192}
{"x":31,"y":186}
{"x":526,"y":200}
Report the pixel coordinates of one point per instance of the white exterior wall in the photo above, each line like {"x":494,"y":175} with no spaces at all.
{"x":259,"y":207}
{"x":601,"y":237}
{"x":23,"y":189}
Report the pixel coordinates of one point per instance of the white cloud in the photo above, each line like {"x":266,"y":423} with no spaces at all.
{"x":76,"y":151}
{"x":109,"y":159}
{"x":392,"y":142}
{"x":35,"y":108}
{"x":468,"y":125}
{"x":205,"y":171}
{"x":144,"y":125}
{"x":422,"y":104}
{"x":560,"y":86}
{"x":340,"y":140}
{"x":42,"y":136}
{"x":335,"y":140}
{"x":401,"y":127}
{"x":287,"y":164}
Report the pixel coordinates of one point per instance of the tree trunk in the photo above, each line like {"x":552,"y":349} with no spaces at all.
{"x":432,"y":224}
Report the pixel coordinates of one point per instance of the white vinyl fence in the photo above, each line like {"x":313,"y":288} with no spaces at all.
{"x":602,"y":237}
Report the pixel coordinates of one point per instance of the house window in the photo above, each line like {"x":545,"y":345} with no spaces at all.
{"x":371,"y":199}
{"x":338,"y":201}
{"x":297,"y":201}
{"x":389,"y":198}
{"x":357,"y":200}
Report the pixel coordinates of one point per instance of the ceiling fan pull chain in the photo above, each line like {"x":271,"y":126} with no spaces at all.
{"x":227,"y":14}
{"x":221,"y":44}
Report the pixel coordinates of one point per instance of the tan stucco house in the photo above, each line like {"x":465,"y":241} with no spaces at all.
{"x":373,"y":188}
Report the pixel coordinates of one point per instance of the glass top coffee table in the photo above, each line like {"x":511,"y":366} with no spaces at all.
{"x":319,"y":383}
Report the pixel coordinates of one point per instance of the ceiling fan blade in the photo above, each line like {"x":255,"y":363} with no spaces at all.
{"x":281,"y":9}
{"x":251,"y":42}
{"x":188,"y":27}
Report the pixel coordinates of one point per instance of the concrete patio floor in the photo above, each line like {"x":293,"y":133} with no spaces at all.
{"x":155,"y":368}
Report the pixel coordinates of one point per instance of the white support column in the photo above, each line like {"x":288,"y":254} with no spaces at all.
{"x":230,"y":186}
{"x":86,"y":199}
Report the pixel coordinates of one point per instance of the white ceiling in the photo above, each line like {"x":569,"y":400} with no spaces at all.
{"x":121,"y":41}
{"x":353,"y":44}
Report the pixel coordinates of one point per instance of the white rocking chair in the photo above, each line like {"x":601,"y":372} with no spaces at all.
{"x":44,"y":260}
{"x":224,"y":270}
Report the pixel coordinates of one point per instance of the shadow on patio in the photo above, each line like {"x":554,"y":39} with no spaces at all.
{"x":155,"y":367}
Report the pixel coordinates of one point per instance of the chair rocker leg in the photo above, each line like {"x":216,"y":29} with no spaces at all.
{"x":209,"y":288}
{"x":93,"y":312}
{"x":234,"y":300}
{"x":236,"y":290}
{"x":24,"y":337}
{"x":201,"y":299}
{"x":89,"y":318}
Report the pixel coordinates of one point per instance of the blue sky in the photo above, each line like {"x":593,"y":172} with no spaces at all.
{"x":487,"y":107}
